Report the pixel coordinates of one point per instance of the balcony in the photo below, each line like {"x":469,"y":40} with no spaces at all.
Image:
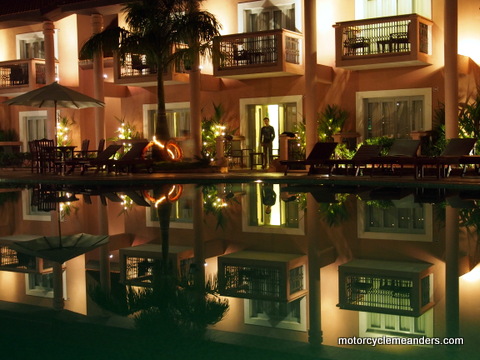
{"x":383,"y":42}
{"x":262,"y":276}
{"x":259,"y":54}
{"x":389,"y":287}
{"x":20,"y":76}
{"x":136,"y":71}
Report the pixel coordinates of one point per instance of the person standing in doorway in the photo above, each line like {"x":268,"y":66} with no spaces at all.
{"x":267,"y":134}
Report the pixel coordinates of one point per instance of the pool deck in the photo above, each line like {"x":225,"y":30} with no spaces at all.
{"x":23,"y":176}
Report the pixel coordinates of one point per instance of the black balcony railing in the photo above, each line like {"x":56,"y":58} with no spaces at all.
{"x":138,"y":65}
{"x":398,"y":35}
{"x":259,"y":48}
{"x":18,"y":73}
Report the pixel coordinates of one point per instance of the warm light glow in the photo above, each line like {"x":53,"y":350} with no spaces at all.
{"x":469,"y":47}
{"x":472,"y":276}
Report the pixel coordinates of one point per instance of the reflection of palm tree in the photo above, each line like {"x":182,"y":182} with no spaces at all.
{"x":173,"y":306}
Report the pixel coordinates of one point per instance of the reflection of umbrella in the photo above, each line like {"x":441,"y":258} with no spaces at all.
{"x":55,"y":95}
{"x":54,"y":248}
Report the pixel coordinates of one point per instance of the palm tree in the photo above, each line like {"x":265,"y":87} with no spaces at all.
{"x":154,"y":28}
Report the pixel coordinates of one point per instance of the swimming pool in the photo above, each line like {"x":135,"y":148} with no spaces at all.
{"x":306,"y":269}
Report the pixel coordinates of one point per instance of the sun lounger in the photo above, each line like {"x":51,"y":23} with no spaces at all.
{"x":402,"y":152}
{"x":132,"y":158}
{"x":102,"y":160}
{"x":321,"y":152}
{"x":361,"y":158}
{"x":452,"y":154}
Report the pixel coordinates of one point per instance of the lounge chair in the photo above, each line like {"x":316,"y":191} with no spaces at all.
{"x":132,"y":158}
{"x":321,"y":152}
{"x":102,"y":160}
{"x":362,"y":157}
{"x":402,"y":152}
{"x":452,"y":154}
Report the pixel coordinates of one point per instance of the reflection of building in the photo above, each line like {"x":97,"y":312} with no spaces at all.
{"x":391,"y":287}
{"x":262,"y":275}
{"x":139,"y":263}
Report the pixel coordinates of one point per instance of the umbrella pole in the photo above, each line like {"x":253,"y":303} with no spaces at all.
{"x":56,"y":123}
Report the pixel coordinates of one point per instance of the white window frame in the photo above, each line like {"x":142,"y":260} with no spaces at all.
{"x":168,"y":107}
{"x":242,"y":7}
{"x":38,"y":34}
{"x":426,"y":93}
{"x":27,"y":208}
{"x":425,"y":237}
{"x":365,"y":330}
{"x":284,"y":324}
{"x":421,"y":7}
{"x":23,"y":116}
{"x":45,"y":293}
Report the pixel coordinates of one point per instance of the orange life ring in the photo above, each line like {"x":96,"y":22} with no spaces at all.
{"x":172,"y":195}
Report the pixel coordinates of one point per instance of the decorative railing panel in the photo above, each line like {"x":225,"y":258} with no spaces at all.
{"x":263,"y":48}
{"x":384,"y":39}
{"x":22,"y":72}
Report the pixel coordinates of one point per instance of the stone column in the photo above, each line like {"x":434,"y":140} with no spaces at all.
{"x":48,"y":32}
{"x":195,"y":112}
{"x":451,"y":69}
{"x":98,"y":81}
{"x":310,"y":102}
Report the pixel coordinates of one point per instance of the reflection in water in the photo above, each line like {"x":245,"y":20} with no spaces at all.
{"x":296,"y":265}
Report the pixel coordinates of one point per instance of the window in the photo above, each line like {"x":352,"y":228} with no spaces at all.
{"x":32,"y":45}
{"x":31,"y":212}
{"x":374,"y":324}
{"x":33,"y":125}
{"x":395,"y":220}
{"x":276,"y":314}
{"x":254,"y":16}
{"x":181,"y":215}
{"x":281,"y":17}
{"x":393,"y":113}
{"x":178,"y":119}
{"x":366,"y":9}
{"x":393,"y":117}
{"x":41,"y":284}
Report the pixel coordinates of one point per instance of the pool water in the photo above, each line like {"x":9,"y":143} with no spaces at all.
{"x":260,"y":268}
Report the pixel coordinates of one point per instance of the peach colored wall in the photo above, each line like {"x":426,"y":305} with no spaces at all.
{"x":68,"y":52}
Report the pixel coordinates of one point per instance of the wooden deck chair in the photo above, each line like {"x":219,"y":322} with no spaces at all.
{"x":402,"y":152}
{"x":452,"y":154}
{"x":132,"y":158}
{"x":321,"y":152}
{"x":361,"y":158}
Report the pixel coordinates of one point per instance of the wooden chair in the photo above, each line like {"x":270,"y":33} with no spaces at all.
{"x":83,"y":152}
{"x":402,"y":152}
{"x":46,"y":155}
{"x":361,"y":158}
{"x":132,"y":158}
{"x":453,"y":154}
{"x":98,"y":162}
{"x":321,"y":152}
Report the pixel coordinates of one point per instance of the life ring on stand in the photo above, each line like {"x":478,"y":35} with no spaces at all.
{"x":171,"y":147}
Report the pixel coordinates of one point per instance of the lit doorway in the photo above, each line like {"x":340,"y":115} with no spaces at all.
{"x":283,"y":117}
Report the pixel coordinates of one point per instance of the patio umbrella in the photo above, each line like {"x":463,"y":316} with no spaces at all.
{"x":55,"y":248}
{"x":55,"y":95}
